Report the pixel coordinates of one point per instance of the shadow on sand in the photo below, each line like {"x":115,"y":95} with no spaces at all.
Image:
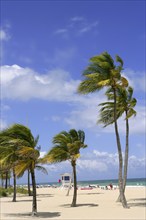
{"x":45,"y":195}
{"x":89,"y":193}
{"x":22,"y":200}
{"x":141,"y":202}
{"x":79,"y":205}
{"x":39,"y":215}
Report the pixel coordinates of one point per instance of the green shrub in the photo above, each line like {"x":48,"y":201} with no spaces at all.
{"x":3,"y":192}
{"x":9,"y":191}
{"x":22,"y":190}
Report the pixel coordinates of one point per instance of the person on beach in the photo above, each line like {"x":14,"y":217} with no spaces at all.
{"x":111,"y":186}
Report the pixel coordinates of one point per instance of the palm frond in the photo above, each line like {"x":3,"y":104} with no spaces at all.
{"x":41,"y":168}
{"x":118,"y":59}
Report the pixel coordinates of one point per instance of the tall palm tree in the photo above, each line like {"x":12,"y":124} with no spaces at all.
{"x":67,"y":146}
{"x":125,"y":104}
{"x":100,"y":73}
{"x":18,"y":144}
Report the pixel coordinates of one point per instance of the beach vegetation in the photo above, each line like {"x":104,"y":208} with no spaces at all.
{"x":104,"y":72}
{"x":18,"y":148}
{"x":67,"y":146}
{"x":9,"y":154}
{"x":6,"y":192}
{"x":125,"y":105}
{"x":5,"y":175}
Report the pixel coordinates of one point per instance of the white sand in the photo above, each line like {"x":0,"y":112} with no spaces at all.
{"x":91,"y":204}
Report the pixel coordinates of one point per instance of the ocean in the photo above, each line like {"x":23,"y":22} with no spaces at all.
{"x":130,"y":182}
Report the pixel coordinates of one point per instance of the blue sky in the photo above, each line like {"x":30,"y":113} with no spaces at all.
{"x":45,"y":46}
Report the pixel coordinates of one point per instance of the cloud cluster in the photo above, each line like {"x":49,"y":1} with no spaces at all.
{"x":78,"y":26}
{"x":3,"y":124}
{"x":136,"y":79}
{"x":99,"y":162}
{"x":24,"y":84}
{"x":4,"y":36}
{"x":4,"y":109}
{"x":57,"y":85}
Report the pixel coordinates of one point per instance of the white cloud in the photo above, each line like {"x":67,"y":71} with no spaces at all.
{"x":58,"y":167}
{"x":82,"y":118}
{"x":56,"y":118}
{"x":88,"y":27}
{"x":77,"y":26}
{"x":105,"y":162}
{"x":86,"y":115}
{"x":136,"y":163}
{"x":136,"y":79}
{"x":137,"y":124}
{"x":61,"y":31}
{"x":57,"y":85}
{"x":4,"y":36}
{"x":92,"y":165}
{"x":24,"y":84}
{"x":3,"y":124}
{"x":77,"y":18}
{"x":42,"y":154}
{"x":98,"y":162}
{"x":107,"y":158}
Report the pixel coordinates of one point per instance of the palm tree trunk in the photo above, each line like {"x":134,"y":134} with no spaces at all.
{"x":34,"y":202}
{"x":126,"y":154}
{"x":29,"y":192}
{"x":126,"y":158}
{"x":2,"y":180}
{"x":75,"y":185}
{"x":6,"y":180}
{"x":122,"y":196}
{"x":9,"y":182}
{"x":14,"y":183}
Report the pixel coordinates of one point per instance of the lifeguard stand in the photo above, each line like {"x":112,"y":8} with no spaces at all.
{"x":66,"y":180}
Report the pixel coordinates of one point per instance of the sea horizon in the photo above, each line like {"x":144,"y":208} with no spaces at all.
{"x":104,"y":182}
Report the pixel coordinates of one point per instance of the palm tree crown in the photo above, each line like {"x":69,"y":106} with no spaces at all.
{"x":102,"y":72}
{"x":125,"y":103}
{"x":67,"y":146}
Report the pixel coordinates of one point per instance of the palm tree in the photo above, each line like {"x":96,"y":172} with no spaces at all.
{"x":28,"y":182}
{"x":67,"y":146}
{"x":29,"y":157}
{"x":17,"y":144}
{"x":125,"y":104}
{"x":5,"y":174}
{"x":38,"y":167}
{"x":103,"y":72}
{"x":9,"y":156}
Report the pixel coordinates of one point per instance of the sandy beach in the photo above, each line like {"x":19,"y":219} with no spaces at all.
{"x":91,"y":204}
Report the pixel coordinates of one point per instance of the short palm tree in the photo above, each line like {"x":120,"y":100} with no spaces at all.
{"x":29,"y":156}
{"x":103,"y":72}
{"x":9,"y":156}
{"x":5,"y":174}
{"x":37,"y":167}
{"x":125,"y":104}
{"x":17,"y":145}
{"x":67,"y":146}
